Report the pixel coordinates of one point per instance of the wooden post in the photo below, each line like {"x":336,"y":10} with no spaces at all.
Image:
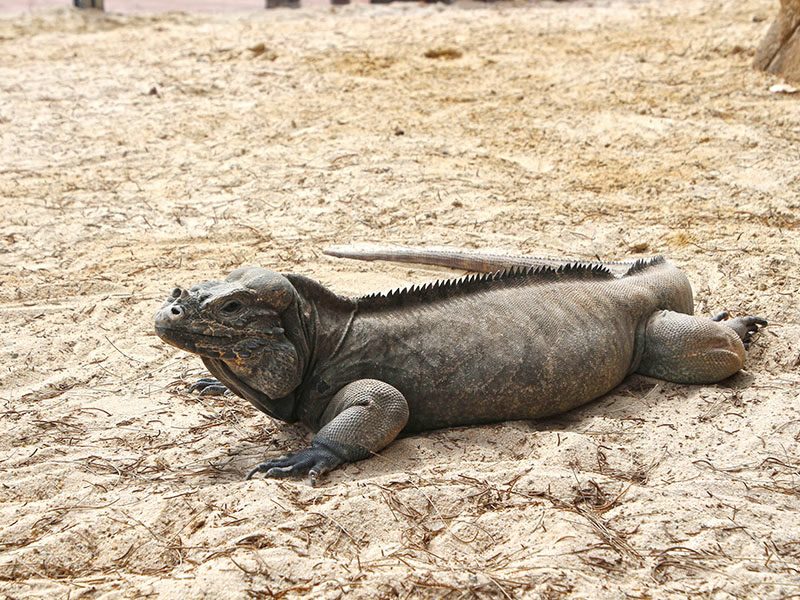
{"x":283,"y":3}
{"x":96,"y":4}
{"x":779,"y":51}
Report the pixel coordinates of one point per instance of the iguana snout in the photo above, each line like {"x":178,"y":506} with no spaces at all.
{"x":219,"y":319}
{"x":196,"y":320}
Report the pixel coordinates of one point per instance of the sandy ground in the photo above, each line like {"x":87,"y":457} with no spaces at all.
{"x":143,"y":152}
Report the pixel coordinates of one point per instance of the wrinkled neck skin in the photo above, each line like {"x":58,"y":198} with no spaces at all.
{"x":326,"y":319}
{"x":269,"y":379}
{"x":278,"y":377}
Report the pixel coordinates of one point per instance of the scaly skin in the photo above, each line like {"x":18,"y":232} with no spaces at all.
{"x":522,"y":344}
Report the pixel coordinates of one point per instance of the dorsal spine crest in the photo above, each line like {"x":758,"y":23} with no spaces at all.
{"x":641,"y":264}
{"x":516,"y":275}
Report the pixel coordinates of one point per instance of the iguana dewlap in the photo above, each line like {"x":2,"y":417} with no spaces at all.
{"x":533,"y":340}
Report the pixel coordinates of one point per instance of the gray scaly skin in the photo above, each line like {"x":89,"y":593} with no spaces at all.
{"x":531,"y":341}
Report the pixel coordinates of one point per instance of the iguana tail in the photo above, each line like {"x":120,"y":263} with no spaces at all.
{"x":458,"y":258}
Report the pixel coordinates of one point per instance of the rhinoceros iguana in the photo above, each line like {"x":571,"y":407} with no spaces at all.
{"x":530,"y":337}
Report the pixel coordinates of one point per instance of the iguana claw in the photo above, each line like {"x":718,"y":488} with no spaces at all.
{"x":208,"y":386}
{"x":314,"y":462}
{"x":746,"y":327}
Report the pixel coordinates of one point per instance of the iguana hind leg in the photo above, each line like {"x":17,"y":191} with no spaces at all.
{"x":361,"y":419}
{"x":687,"y":349}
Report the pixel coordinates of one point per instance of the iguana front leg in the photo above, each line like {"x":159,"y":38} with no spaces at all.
{"x":361,"y":419}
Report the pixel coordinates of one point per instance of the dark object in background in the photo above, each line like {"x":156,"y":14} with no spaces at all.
{"x":296,"y":3}
{"x":779,"y":51}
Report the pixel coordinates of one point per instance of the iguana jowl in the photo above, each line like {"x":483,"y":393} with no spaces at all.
{"x":533,"y":340}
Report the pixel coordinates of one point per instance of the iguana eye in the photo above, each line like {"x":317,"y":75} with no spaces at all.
{"x":231,"y":307}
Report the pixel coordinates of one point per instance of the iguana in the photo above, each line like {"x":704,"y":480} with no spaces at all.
{"x":528,"y":338}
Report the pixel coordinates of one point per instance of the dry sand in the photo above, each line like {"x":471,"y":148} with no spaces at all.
{"x":142,"y":152}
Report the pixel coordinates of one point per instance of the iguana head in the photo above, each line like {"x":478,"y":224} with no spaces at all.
{"x":247,"y":329}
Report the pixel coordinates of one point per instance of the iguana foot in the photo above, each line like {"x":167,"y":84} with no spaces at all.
{"x":746,"y":327}
{"x":314,"y":461}
{"x":208,"y":386}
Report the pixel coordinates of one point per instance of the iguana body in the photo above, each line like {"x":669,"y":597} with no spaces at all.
{"x":522,"y":343}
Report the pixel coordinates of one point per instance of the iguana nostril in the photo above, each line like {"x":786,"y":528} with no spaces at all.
{"x":175,"y":312}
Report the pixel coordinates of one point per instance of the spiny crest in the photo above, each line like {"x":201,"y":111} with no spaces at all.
{"x":642,"y":264}
{"x":513,"y":276}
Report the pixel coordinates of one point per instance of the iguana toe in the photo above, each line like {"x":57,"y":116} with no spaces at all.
{"x":215,"y":390}
{"x":208,"y":386}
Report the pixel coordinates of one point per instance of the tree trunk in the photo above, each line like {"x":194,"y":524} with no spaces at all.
{"x":779,"y":51}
